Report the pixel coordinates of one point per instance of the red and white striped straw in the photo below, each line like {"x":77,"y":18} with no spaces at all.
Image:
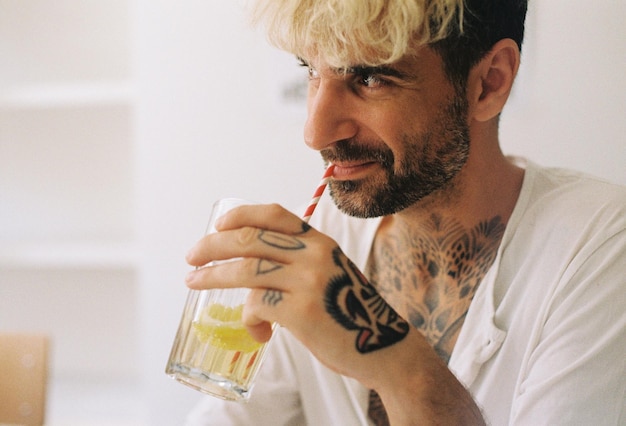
{"x":318,"y":193}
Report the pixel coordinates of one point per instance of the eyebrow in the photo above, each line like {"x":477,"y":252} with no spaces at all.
{"x":369,"y":70}
{"x":362,"y":70}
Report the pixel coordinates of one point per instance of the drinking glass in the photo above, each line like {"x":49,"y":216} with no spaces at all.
{"x":213,"y":352}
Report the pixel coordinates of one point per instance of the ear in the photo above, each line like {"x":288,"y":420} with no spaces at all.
{"x":490,"y":80}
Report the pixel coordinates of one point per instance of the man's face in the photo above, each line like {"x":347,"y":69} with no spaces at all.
{"x":396,"y":134}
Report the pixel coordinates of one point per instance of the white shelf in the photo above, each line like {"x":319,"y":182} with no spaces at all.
{"x":68,"y":255}
{"x":68,"y":262}
{"x":65,"y":95}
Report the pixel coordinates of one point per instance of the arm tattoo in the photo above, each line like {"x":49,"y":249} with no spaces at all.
{"x":354,"y":303}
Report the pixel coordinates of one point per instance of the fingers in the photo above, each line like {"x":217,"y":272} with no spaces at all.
{"x":264,"y":307}
{"x":269,"y":244}
{"x":260,"y":330}
{"x":251,"y":231}
{"x":248,"y":272}
{"x":259,"y":326}
{"x":269,"y":216}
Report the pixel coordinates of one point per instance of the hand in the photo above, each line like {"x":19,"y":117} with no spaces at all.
{"x":302,"y":280}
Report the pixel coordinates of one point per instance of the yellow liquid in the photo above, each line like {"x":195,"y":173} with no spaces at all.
{"x":219,"y":345}
{"x":221,"y":327}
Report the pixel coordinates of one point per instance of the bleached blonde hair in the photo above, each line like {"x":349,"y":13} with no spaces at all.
{"x":367,"y":32}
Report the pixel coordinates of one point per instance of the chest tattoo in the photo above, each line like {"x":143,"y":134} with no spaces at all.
{"x":430,"y":275}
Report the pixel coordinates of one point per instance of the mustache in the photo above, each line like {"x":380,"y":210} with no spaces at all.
{"x":349,"y":150}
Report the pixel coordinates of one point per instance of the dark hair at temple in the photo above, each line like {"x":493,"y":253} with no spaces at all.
{"x":485,"y":22}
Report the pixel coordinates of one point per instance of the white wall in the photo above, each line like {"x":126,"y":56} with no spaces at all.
{"x":569,"y":107}
{"x":207,"y":126}
{"x":204,"y":131}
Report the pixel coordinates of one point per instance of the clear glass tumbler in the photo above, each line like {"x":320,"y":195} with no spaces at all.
{"x":212,"y":351}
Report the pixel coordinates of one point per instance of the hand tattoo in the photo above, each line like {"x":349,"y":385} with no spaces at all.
{"x":272,"y":297}
{"x":354,"y":303}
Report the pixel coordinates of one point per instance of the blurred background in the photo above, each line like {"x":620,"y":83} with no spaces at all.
{"x":121,"y":121}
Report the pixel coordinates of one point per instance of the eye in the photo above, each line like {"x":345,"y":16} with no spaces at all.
{"x":372,"y":78}
{"x":372,"y":81}
{"x":312,"y":72}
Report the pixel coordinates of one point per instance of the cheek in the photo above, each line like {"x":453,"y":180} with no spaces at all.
{"x":395,"y":127}
{"x":389,"y":121}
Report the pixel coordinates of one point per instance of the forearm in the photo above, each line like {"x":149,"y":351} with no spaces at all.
{"x":429,"y":395}
{"x":442,"y":407}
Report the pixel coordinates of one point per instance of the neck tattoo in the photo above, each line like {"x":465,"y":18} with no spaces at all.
{"x":430,"y":275}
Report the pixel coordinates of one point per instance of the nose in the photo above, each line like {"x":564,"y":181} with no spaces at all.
{"x":330,"y":118}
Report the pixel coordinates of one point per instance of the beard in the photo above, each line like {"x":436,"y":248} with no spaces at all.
{"x":430,"y":162}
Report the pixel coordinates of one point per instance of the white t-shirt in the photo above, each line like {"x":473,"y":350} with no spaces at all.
{"x":544,"y":340}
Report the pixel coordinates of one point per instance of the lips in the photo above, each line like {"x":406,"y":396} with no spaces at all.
{"x":352,"y":170}
{"x":354,"y":160}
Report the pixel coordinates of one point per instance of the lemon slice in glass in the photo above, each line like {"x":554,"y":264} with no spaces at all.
{"x":221,"y":327}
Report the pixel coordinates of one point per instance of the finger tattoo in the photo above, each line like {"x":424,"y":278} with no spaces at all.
{"x":305,"y":228}
{"x":265,"y":266}
{"x":280,"y":241}
{"x":272,"y":297}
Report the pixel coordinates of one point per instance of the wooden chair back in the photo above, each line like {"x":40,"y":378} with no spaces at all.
{"x":23,"y":378}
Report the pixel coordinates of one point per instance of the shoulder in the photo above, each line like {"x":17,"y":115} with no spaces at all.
{"x":572,"y":201}
{"x":567,"y":231}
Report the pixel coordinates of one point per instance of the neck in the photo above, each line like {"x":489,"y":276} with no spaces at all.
{"x":428,"y":260}
{"x":488,"y":186}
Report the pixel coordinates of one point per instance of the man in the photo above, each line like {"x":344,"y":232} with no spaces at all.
{"x":454,"y":284}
